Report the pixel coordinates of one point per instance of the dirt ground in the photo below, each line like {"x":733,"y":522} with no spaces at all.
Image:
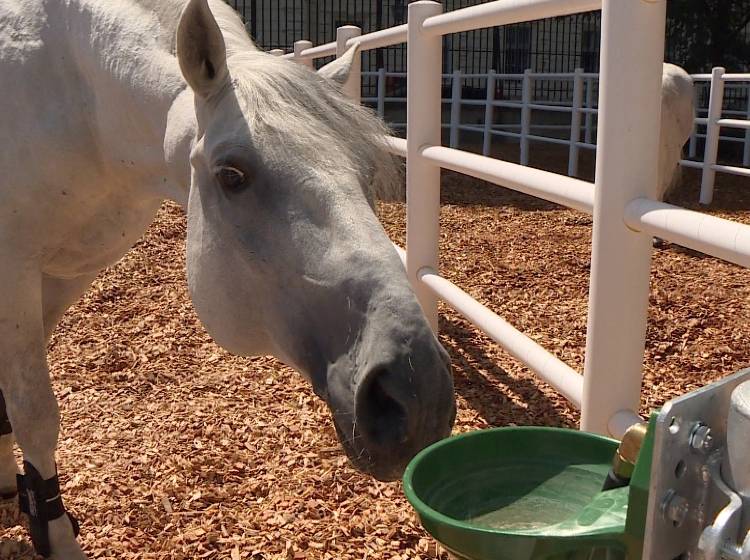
{"x":173,"y":449}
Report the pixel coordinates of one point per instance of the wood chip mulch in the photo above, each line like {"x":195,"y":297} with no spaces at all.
{"x":173,"y":449}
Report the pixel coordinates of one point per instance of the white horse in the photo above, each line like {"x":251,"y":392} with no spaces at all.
{"x":102,"y":121}
{"x":677,"y":117}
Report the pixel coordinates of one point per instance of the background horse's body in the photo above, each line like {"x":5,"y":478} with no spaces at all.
{"x":677,"y":117}
{"x":95,"y":115}
{"x":100,"y":127}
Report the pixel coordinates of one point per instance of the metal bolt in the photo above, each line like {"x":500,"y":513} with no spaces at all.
{"x":701,"y":439}
{"x":674,"y":508}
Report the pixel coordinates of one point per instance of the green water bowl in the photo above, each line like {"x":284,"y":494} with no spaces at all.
{"x":520,"y":493}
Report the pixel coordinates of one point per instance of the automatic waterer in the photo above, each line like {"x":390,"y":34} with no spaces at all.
{"x":528,"y":493}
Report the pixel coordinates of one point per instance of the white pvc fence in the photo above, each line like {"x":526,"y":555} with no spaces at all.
{"x":626,"y":216}
{"x":583,"y":110}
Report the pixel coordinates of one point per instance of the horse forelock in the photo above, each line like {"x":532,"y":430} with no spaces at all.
{"x":305,"y":116}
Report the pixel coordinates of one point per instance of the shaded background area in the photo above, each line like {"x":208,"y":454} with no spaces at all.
{"x":700,"y":34}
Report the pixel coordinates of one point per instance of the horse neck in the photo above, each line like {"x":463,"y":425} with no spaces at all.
{"x":122,"y":53}
{"x":144,"y":112}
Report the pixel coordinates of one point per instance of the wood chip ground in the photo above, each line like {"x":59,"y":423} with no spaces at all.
{"x":173,"y":449}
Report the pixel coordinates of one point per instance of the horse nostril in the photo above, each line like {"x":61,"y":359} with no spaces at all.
{"x":381,"y":418}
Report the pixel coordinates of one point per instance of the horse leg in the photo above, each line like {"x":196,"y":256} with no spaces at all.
{"x":57,"y":296}
{"x":33,"y":411}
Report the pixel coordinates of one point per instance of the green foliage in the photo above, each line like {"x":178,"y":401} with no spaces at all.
{"x":707,"y":33}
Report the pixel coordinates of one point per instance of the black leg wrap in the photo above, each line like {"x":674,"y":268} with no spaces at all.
{"x":5,"y":427}
{"x":41,"y":501}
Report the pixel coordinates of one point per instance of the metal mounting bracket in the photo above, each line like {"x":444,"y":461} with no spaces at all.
{"x":687,"y":492}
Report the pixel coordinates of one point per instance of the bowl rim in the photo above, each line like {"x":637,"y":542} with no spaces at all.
{"x":434,"y":516}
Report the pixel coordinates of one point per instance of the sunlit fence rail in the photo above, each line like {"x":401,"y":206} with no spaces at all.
{"x":580,"y":130}
{"x":626,"y":215}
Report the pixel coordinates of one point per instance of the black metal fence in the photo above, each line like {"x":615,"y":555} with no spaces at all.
{"x":551,"y":45}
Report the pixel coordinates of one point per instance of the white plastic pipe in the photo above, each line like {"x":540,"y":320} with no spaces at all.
{"x":621,"y":421}
{"x":708,"y":234}
{"x":626,"y":168}
{"x":734,"y":123}
{"x":526,"y":97}
{"x":744,"y":172}
{"x":559,"y":189}
{"x":694,"y":135}
{"x":549,"y":368}
{"x":489,"y":114}
{"x":713,"y":130}
{"x":321,"y":51}
{"x":401,"y":254}
{"x":423,"y":110}
{"x":299,"y":47}
{"x":590,"y":110}
{"x":575,"y":123}
{"x":504,"y":12}
{"x":383,"y":38}
{"x":381,"y":92}
{"x":455,"y":108}
{"x":397,"y":146}
{"x":353,"y":86}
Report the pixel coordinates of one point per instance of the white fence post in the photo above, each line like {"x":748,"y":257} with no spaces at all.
{"x":300,"y":46}
{"x":381,"y":92}
{"x":526,"y":97}
{"x":746,"y":153}
{"x":575,"y":123}
{"x":589,"y":105}
{"x":423,"y":107}
{"x":489,"y":113}
{"x":626,"y":169}
{"x":713,"y":131}
{"x":456,"y":85}
{"x":692,"y":147}
{"x":276,"y":52}
{"x":353,"y":87}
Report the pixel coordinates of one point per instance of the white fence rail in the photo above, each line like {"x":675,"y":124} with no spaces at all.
{"x":581,"y":130}
{"x":625,"y":214}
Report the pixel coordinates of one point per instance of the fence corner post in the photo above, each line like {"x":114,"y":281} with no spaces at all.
{"x":627,"y":163}
{"x":692,"y":147}
{"x":423,"y":108}
{"x":381,"y":92}
{"x":526,"y":97}
{"x":713,"y":131}
{"x":588,"y":125}
{"x":353,"y":87}
{"x":300,"y":46}
{"x":456,"y":86}
{"x":575,"y":122}
{"x":489,"y":113}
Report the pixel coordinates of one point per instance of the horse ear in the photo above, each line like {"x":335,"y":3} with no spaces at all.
{"x":338,"y":70}
{"x":200,"y":49}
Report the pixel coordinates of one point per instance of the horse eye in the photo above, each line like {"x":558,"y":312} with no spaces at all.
{"x":230,"y":178}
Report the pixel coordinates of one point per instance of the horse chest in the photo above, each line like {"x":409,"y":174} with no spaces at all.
{"x":96,"y":234}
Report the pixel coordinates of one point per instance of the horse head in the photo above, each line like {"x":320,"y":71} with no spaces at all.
{"x":285,"y":254}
